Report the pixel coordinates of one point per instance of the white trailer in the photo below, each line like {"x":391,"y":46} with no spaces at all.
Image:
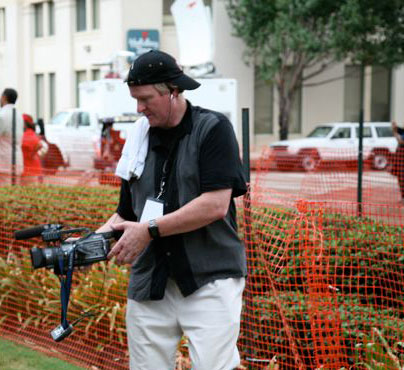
{"x":219,"y":94}
{"x":108,"y":97}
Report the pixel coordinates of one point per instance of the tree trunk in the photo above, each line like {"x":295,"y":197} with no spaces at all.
{"x":284,"y":115}
{"x":287,"y":84}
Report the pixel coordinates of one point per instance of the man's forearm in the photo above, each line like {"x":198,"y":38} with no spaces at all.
{"x":201,"y":211}
{"x":114,"y":219}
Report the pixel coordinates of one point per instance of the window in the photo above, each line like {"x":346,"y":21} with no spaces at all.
{"x":73,"y":121}
{"x":166,"y":6}
{"x":380,"y":94}
{"x":295,"y":118}
{"x":384,"y":131}
{"x":367,"y":132}
{"x":51,"y":17}
{"x":84,"y":119}
{"x":95,"y":74}
{"x":81,"y":24}
{"x":96,"y":14}
{"x":263,"y":105}
{"x":52,"y":94}
{"x":44,"y":18}
{"x":351,"y":93}
{"x":39,"y":94}
{"x":2,"y":24}
{"x":38,"y":14}
{"x":80,"y":77}
{"x":342,"y":133}
{"x":92,"y":7}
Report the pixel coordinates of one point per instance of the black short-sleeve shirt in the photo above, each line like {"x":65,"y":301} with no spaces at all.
{"x":218,"y":167}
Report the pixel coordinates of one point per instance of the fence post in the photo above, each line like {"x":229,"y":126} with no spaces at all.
{"x":247,"y":225}
{"x":246,"y":143}
{"x":360,"y":148}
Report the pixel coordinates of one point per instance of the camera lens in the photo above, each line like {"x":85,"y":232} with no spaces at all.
{"x":38,"y":258}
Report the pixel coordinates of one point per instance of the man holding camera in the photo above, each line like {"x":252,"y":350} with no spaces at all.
{"x":180,"y":171}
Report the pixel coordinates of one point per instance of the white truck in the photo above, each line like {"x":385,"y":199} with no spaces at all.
{"x":77,"y":131}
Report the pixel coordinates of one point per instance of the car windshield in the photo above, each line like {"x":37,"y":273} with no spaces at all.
{"x":321,"y":131}
{"x":59,"y":119}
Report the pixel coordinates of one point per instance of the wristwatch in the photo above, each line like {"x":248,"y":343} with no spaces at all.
{"x":154,"y":229}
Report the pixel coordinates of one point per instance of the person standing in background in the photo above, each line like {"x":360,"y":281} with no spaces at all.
{"x":7,"y":104}
{"x":32,"y":148}
{"x":398,"y":159}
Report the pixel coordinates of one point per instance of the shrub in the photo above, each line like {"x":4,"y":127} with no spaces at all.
{"x":320,"y":277}
{"x":318,"y":281}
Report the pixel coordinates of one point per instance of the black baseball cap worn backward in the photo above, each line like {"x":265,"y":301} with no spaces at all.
{"x":158,"y":67}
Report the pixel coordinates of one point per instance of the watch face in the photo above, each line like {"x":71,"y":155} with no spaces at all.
{"x":154,"y":229}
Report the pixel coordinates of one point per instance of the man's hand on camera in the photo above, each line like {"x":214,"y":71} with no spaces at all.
{"x":134,"y":240}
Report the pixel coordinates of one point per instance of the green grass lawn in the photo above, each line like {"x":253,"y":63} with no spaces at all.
{"x":18,"y":357}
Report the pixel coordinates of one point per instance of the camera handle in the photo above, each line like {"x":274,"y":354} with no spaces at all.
{"x":64,"y":329}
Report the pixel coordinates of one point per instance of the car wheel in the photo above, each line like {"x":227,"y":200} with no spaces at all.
{"x":380,"y":160}
{"x":309,"y":160}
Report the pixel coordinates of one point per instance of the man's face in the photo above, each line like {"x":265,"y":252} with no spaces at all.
{"x":2,"y":101}
{"x":152,"y":104}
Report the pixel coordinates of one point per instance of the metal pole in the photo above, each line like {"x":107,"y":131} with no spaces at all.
{"x":246,"y":143}
{"x":247,"y":228}
{"x":360,"y":135}
{"x":13,"y":148}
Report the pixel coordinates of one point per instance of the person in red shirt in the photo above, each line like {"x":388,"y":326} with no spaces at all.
{"x":31,"y":146}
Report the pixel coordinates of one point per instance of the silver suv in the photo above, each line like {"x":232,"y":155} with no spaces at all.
{"x":337,"y":142}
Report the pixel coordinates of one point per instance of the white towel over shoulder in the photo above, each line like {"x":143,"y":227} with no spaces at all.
{"x":131,"y":163}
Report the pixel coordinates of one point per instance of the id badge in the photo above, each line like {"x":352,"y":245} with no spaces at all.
{"x":153,"y":208}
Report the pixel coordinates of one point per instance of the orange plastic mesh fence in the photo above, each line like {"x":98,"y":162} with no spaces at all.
{"x":325,"y":283}
{"x":334,"y":177}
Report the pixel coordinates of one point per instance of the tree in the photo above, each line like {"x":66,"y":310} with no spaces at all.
{"x":291,"y":41}
{"x":371,"y":32}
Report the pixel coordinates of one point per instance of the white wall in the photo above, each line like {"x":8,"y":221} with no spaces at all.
{"x":397,"y":103}
{"x":324,"y":101}
{"x":229,"y":62}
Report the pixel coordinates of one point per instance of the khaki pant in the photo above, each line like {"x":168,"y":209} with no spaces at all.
{"x":210,"y":318}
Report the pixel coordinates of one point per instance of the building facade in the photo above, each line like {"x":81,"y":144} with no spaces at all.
{"x":48,"y":47}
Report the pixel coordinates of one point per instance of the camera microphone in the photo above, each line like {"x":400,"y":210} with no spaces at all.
{"x":32,"y":232}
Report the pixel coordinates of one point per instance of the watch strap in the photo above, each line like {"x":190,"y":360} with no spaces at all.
{"x":153,"y":229}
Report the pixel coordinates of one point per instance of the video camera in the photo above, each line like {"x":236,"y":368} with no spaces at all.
{"x":87,"y":250}
{"x":63,"y":256}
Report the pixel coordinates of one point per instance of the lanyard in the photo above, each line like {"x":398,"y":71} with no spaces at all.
{"x":167,"y":168}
